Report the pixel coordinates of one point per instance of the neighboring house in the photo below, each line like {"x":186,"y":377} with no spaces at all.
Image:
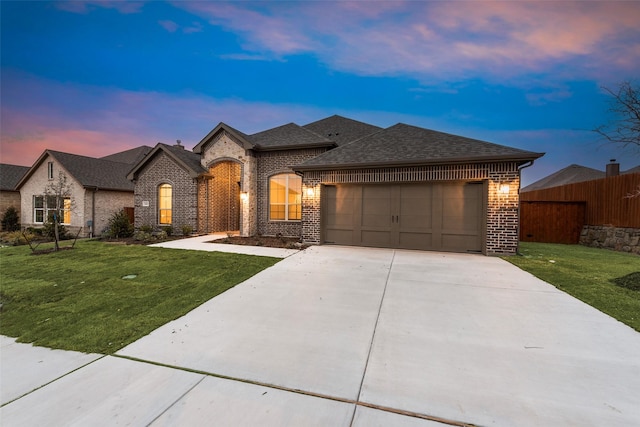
{"x":99,"y":188}
{"x":339,"y":181}
{"x":573,"y":174}
{"x":10,"y":175}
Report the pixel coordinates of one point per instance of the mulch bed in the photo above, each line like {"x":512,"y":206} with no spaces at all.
{"x":267,"y":241}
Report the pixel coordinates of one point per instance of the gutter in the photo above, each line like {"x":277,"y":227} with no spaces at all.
{"x":524,"y":166}
{"x":387,"y":164}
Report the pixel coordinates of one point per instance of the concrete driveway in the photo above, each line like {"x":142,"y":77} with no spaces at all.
{"x":341,"y":336}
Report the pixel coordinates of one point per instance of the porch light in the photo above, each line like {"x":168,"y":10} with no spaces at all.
{"x":504,"y":188}
{"x":310,"y":192}
{"x":244,"y":196}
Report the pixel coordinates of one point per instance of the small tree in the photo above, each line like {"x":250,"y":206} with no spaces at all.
{"x":58,"y":193}
{"x":120,"y":225}
{"x":10,"y":220}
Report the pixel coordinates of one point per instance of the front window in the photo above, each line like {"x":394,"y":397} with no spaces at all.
{"x":164,"y":204}
{"x":285,"y":197}
{"x":45,"y":207}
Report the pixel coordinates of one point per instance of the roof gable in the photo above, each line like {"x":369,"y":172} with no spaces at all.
{"x":10,"y":176}
{"x":188,"y":160}
{"x":569,"y":175}
{"x":222,"y":127}
{"x":288,"y":136}
{"x":341,"y":130}
{"x":88,"y":171}
{"x":403,"y":144}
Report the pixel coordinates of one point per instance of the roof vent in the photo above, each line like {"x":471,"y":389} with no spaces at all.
{"x":613,"y":168}
{"x":179,"y":144}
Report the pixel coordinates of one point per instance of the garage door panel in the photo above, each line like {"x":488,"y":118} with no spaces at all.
{"x":381,"y":239}
{"x":426,"y":216}
{"x":416,"y":240}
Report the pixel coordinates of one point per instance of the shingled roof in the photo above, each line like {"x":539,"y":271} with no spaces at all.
{"x":131,"y":157}
{"x":402,"y":145}
{"x":569,"y":175}
{"x":341,"y":130}
{"x":88,"y":171}
{"x":10,"y":176}
{"x":188,"y":160}
{"x":289,"y":136}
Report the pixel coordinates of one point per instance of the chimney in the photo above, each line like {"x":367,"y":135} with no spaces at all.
{"x":613,"y":168}
{"x":179,"y":144}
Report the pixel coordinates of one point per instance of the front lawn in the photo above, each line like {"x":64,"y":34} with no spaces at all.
{"x":80,"y":300}
{"x":602,"y":278}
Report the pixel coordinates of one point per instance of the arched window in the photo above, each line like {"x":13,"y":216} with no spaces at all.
{"x":164,"y":204}
{"x":285,"y":197}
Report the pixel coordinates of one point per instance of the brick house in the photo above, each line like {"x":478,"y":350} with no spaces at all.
{"x":99,"y":188}
{"x":339,"y":181}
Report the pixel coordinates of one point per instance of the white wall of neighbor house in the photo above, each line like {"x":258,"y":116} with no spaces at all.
{"x":107,"y":203}
{"x":36,"y":185}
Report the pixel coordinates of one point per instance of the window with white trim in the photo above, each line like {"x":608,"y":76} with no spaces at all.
{"x":285,"y":197}
{"x":44,"y":207}
{"x":164,"y":204}
{"x":50,"y":170}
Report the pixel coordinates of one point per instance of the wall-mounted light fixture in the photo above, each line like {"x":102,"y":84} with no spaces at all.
{"x":504,"y":188}
{"x":310,"y":192}
{"x":244,"y":196}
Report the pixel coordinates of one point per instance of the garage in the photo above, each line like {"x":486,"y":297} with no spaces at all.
{"x":442,"y":216}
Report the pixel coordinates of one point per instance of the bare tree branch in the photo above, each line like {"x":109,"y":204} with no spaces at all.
{"x":625,"y":104}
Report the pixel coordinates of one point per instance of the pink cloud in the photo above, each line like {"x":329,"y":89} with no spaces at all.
{"x":169,"y":25}
{"x":436,"y":40}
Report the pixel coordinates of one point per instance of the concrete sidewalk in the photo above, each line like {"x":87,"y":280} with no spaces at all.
{"x":346,"y":336}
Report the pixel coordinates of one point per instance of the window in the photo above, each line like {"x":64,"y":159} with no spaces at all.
{"x":50,"y":170}
{"x":164,"y":204}
{"x":44,"y":207}
{"x":285,"y":197}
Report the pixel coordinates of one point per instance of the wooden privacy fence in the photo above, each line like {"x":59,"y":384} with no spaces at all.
{"x":551,"y":222}
{"x":605,"y":202}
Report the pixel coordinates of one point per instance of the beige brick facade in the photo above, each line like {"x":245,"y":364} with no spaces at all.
{"x":88,"y":205}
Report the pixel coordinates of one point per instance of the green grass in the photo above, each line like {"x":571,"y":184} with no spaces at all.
{"x":602,"y":278}
{"x":77,"y":299}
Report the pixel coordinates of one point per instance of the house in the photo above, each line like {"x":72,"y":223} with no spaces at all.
{"x":339,"y":181}
{"x":99,"y":188}
{"x":10,"y":175}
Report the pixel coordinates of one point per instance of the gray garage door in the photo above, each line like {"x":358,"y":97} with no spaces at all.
{"x":433,"y":216}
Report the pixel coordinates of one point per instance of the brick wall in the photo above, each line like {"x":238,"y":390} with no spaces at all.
{"x":216,"y":200}
{"x":502,"y":210}
{"x":163,"y":170}
{"x":35,"y":186}
{"x":107,"y":203}
{"x":272,"y":163}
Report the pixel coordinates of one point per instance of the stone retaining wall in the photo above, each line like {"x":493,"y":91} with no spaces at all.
{"x":616,"y":238}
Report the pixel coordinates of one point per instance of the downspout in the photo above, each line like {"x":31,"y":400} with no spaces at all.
{"x":524,"y":166}
{"x":93,"y":211}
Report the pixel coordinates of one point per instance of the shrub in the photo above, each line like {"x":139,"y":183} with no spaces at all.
{"x":187,"y":230}
{"x":48,"y":230}
{"x":16,"y":238}
{"x":10,"y":220}
{"x":142,"y":236}
{"x":146,"y":229}
{"x":167,"y":229}
{"x":119,"y":225}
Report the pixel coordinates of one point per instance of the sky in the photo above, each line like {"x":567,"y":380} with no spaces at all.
{"x":98,"y":77}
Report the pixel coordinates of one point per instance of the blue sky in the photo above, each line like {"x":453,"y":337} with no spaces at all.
{"x":97,"y":77}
